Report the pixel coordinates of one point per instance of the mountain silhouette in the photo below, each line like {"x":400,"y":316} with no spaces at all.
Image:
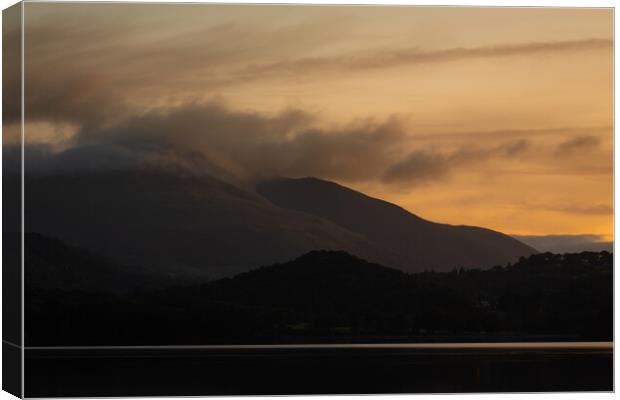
{"x":185,"y":224}
{"x":328,"y":275}
{"x":50,"y":264}
{"x":202,"y":226}
{"x":420,"y":244}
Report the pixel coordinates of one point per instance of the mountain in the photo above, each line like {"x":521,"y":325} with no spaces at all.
{"x":52,"y":265}
{"x":420,"y":244}
{"x":199,"y":226}
{"x":181,"y":224}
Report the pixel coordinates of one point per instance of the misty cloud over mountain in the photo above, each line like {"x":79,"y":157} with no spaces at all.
{"x":212,"y":138}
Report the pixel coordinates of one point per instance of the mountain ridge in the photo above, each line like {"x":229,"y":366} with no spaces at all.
{"x":179,"y":222}
{"x":437,"y":246}
{"x":199,"y":224}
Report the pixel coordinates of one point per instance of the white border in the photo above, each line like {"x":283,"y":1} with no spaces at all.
{"x":477,"y":3}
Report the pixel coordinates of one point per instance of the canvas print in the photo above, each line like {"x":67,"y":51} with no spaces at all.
{"x":213,"y":199}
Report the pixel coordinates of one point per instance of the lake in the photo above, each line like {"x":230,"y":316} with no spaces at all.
{"x":318,"y":369}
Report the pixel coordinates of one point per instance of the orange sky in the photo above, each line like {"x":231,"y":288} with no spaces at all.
{"x":497,"y":117}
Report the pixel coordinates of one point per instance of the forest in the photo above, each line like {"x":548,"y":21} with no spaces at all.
{"x":320,"y":297}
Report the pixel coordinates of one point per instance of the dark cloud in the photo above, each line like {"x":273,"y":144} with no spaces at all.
{"x":577,"y":144}
{"x":94,"y":86}
{"x":93,"y":77}
{"x":419,"y":167}
{"x":566,"y":243}
{"x":515,"y":148}
{"x":89,"y":74}
{"x":84,"y":100}
{"x":206,"y":137}
{"x":211,"y":138}
{"x":422,"y":166}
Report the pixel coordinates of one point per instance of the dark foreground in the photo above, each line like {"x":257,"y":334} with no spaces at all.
{"x":321,"y":369}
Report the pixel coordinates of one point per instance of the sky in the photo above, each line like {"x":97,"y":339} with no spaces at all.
{"x":495,"y":117}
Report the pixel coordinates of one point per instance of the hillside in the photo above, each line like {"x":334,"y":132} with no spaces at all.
{"x":420,"y":244}
{"x":179,"y":224}
{"x":51,"y":264}
{"x":174,"y":223}
{"x":336,"y":297}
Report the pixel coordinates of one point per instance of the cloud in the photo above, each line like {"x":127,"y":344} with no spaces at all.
{"x":570,"y":208}
{"x":247,"y":145}
{"x":390,"y":58}
{"x":111,"y":82}
{"x":243,"y":145}
{"x":595,"y":209}
{"x":110,"y":69}
{"x":566,"y":243}
{"x":577,"y":144}
{"x":423,"y":166}
{"x":419,"y":167}
{"x":514,"y":148}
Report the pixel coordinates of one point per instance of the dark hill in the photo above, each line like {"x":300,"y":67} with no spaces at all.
{"x":331,"y":292}
{"x":326,"y":280}
{"x":186,"y":224}
{"x":335,"y":297}
{"x":420,"y":244}
{"x":52,"y":265}
{"x":179,"y":223}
